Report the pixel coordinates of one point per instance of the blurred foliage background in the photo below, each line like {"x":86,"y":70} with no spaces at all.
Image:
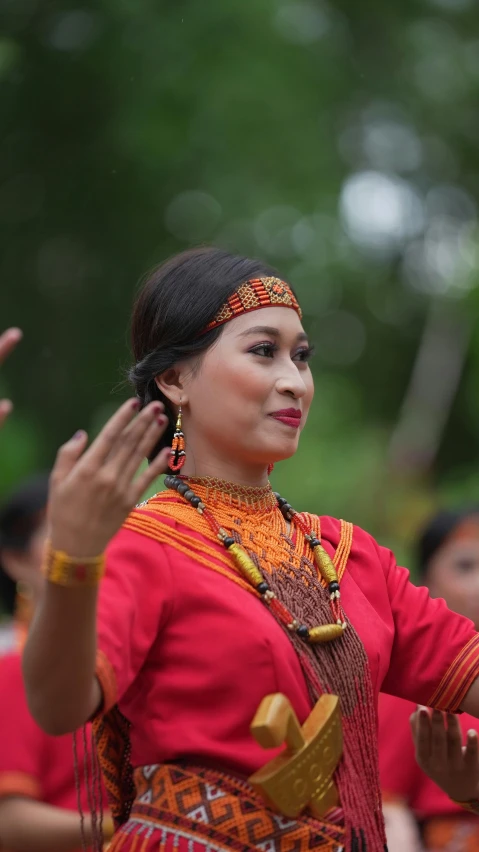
{"x":338,"y":141}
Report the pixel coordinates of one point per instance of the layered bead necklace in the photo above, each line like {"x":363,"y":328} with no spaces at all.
{"x":252,"y":574}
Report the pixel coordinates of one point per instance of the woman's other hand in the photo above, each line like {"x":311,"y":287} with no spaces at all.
{"x":93,"y":490}
{"x":8,"y":341}
{"x":440,"y":753}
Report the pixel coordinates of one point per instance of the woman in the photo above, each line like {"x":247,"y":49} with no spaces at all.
{"x":217,"y":595}
{"x":448,"y":561}
{"x":22,"y":537}
{"x":38,"y":792}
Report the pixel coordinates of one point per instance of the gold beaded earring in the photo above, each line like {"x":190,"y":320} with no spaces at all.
{"x":177,"y":454}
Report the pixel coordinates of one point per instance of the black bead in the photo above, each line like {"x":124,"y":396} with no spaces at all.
{"x":170,"y":481}
{"x":333,"y":587}
{"x":314,"y":542}
{"x":188,"y":494}
{"x":195,"y":501}
{"x":303,"y":631}
{"x":228,"y":541}
{"x":262,"y":588}
{"x":182,"y":487}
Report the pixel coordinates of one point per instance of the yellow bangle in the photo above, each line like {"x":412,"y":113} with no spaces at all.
{"x":65,"y":570}
{"x":108,"y":828}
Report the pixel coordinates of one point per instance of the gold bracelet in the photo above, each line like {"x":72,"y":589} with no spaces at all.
{"x":65,"y":570}
{"x":108,"y":828}
{"x":471,"y":806}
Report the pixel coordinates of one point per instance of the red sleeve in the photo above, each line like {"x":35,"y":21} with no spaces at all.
{"x":399,"y":771}
{"x":21,"y":739}
{"x":435,"y":653}
{"x":134,"y":603}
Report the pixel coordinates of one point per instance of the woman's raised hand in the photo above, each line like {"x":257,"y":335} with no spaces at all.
{"x":93,"y":490}
{"x":442,"y":756}
{"x":8,"y":341}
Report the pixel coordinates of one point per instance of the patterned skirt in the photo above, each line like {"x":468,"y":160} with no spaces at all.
{"x":190,"y":809}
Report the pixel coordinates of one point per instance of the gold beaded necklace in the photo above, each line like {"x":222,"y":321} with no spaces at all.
{"x":252,"y":574}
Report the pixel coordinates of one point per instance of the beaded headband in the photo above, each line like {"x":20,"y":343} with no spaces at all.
{"x":254,"y":294}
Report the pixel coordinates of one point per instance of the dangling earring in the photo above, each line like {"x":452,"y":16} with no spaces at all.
{"x":177,"y":454}
{"x":270,"y":468}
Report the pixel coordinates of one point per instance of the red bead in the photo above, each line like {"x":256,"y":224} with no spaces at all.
{"x":281,"y":611}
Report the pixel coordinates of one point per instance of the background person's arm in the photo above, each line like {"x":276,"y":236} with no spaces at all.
{"x":30,"y":826}
{"x":8,"y":341}
{"x":401,"y":828}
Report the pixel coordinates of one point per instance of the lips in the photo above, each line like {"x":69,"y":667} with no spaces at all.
{"x":289,"y":416}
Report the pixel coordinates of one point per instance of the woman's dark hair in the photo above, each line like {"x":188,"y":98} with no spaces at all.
{"x":20,"y":515}
{"x":176,"y":303}
{"x":437,"y":530}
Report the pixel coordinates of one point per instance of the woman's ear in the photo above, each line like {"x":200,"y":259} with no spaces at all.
{"x":171,"y":385}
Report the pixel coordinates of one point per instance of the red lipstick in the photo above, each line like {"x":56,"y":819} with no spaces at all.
{"x":289,"y":416}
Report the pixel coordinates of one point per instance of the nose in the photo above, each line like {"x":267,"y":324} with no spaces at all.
{"x":290,"y":382}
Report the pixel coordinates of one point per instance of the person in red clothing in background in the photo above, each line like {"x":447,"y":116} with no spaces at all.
{"x":38,"y":791}
{"x":418,"y":814}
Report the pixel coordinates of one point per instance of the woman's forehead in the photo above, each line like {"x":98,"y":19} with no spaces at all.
{"x":284,"y":320}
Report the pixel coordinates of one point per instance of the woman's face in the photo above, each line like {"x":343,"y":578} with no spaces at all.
{"x":453,"y":574}
{"x":247,"y":401}
{"x":25,"y":566}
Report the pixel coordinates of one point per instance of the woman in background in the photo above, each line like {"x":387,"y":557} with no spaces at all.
{"x":22,"y":537}
{"x":419,"y":814}
{"x":38,"y":793}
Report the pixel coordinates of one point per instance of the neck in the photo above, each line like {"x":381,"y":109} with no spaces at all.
{"x":255,"y":475}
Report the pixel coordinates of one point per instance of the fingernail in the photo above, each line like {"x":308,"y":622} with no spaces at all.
{"x":162,"y":419}
{"x":423,"y":712}
{"x":78,"y":435}
{"x":472,"y":734}
{"x":157,"y":407}
{"x":135,"y":404}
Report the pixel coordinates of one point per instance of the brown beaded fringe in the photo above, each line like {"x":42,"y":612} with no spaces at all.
{"x":340,"y":667}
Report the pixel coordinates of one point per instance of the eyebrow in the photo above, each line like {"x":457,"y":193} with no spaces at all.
{"x":268,"y":329}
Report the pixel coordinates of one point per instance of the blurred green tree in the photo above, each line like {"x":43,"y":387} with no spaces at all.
{"x":339,"y":142}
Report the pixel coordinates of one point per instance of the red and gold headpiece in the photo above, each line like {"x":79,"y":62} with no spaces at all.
{"x":254,"y":294}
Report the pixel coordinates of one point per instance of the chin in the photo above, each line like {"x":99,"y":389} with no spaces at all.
{"x":285,"y":451}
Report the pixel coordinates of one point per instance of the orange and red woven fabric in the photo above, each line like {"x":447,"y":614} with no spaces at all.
{"x":254,"y":294}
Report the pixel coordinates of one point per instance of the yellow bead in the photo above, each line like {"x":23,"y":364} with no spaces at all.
{"x":325,"y":564}
{"x":325,"y":633}
{"x":246,"y":565}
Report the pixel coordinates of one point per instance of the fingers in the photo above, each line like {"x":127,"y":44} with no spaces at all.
{"x":8,"y":341}
{"x":454,"y":741}
{"x":438,"y":739}
{"x":422,"y":735}
{"x":471,"y":752}
{"x":5,"y":409}
{"x":68,"y":456}
{"x":138,"y":440}
{"x":158,"y":466}
{"x":110,"y":436}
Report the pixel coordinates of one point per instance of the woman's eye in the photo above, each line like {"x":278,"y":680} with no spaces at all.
{"x":266,"y":350}
{"x":305,"y":354}
{"x":465,"y":564}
